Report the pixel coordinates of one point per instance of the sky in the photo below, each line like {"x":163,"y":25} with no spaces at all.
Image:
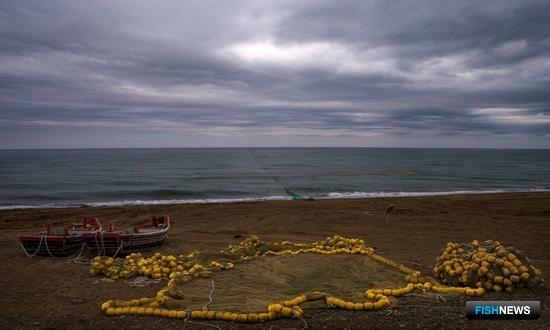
{"x":117,"y":74}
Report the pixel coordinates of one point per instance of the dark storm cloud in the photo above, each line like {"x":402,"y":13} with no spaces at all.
{"x":424,"y":28}
{"x":391,"y":71}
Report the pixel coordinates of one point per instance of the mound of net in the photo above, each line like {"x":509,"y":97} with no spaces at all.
{"x":256,"y":281}
{"x":488,"y":264}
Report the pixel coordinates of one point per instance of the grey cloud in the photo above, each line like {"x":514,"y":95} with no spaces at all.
{"x":332,"y":68}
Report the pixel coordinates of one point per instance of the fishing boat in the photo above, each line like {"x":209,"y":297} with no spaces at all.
{"x":112,"y":242}
{"x":53,"y":242}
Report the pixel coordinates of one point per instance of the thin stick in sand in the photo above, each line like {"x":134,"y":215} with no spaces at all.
{"x":389,"y":209}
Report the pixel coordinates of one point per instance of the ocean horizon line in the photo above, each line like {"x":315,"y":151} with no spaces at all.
{"x":293,"y":147}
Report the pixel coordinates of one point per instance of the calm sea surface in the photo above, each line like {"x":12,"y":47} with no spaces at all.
{"x":46,"y":178}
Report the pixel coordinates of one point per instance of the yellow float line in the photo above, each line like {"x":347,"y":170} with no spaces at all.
{"x":376,"y":298}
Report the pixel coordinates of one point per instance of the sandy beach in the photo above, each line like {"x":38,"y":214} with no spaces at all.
{"x":52,"y":293}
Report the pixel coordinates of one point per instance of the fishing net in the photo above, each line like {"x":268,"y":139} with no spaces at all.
{"x":488,"y":264}
{"x":256,"y":281}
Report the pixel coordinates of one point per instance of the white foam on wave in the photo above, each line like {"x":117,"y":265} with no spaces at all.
{"x":148,"y":202}
{"x":331,"y":195}
{"x":363,"y":194}
{"x":188,"y":201}
{"x":38,"y":206}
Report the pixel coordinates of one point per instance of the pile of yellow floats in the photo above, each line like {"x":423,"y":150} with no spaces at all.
{"x":488,"y":265}
{"x":157,"y":266}
{"x":456,"y":265}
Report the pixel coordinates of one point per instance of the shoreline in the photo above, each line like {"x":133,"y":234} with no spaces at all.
{"x":281,"y":198}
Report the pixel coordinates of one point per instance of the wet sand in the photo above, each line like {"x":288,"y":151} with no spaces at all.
{"x":51,"y":293}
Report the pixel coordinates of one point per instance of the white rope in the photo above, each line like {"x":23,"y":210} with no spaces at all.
{"x":44,"y":238}
{"x":103,"y":243}
{"x":47,"y":248}
{"x":204,"y":307}
{"x":209,"y":296}
{"x":119,"y":248}
{"x":78,"y":259}
{"x":276,"y":327}
{"x":100,"y":248}
{"x":103,"y":280}
{"x":388,"y":312}
{"x":97,"y":243}
{"x":187,"y":320}
{"x":305,"y":322}
{"x":102,"y":251}
{"x":142,"y":281}
{"x":273,"y":327}
{"x":37,"y":249}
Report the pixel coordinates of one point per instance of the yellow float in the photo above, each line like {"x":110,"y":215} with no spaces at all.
{"x":466,"y":269}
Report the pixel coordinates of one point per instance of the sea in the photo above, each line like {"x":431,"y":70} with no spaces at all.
{"x":112,"y":177}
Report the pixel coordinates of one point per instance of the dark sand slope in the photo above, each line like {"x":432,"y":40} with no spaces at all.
{"x":46,"y":293}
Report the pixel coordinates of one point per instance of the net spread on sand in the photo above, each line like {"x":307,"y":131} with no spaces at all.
{"x":275,"y":280}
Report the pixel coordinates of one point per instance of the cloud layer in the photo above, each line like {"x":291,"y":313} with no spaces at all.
{"x":280,"y":73}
